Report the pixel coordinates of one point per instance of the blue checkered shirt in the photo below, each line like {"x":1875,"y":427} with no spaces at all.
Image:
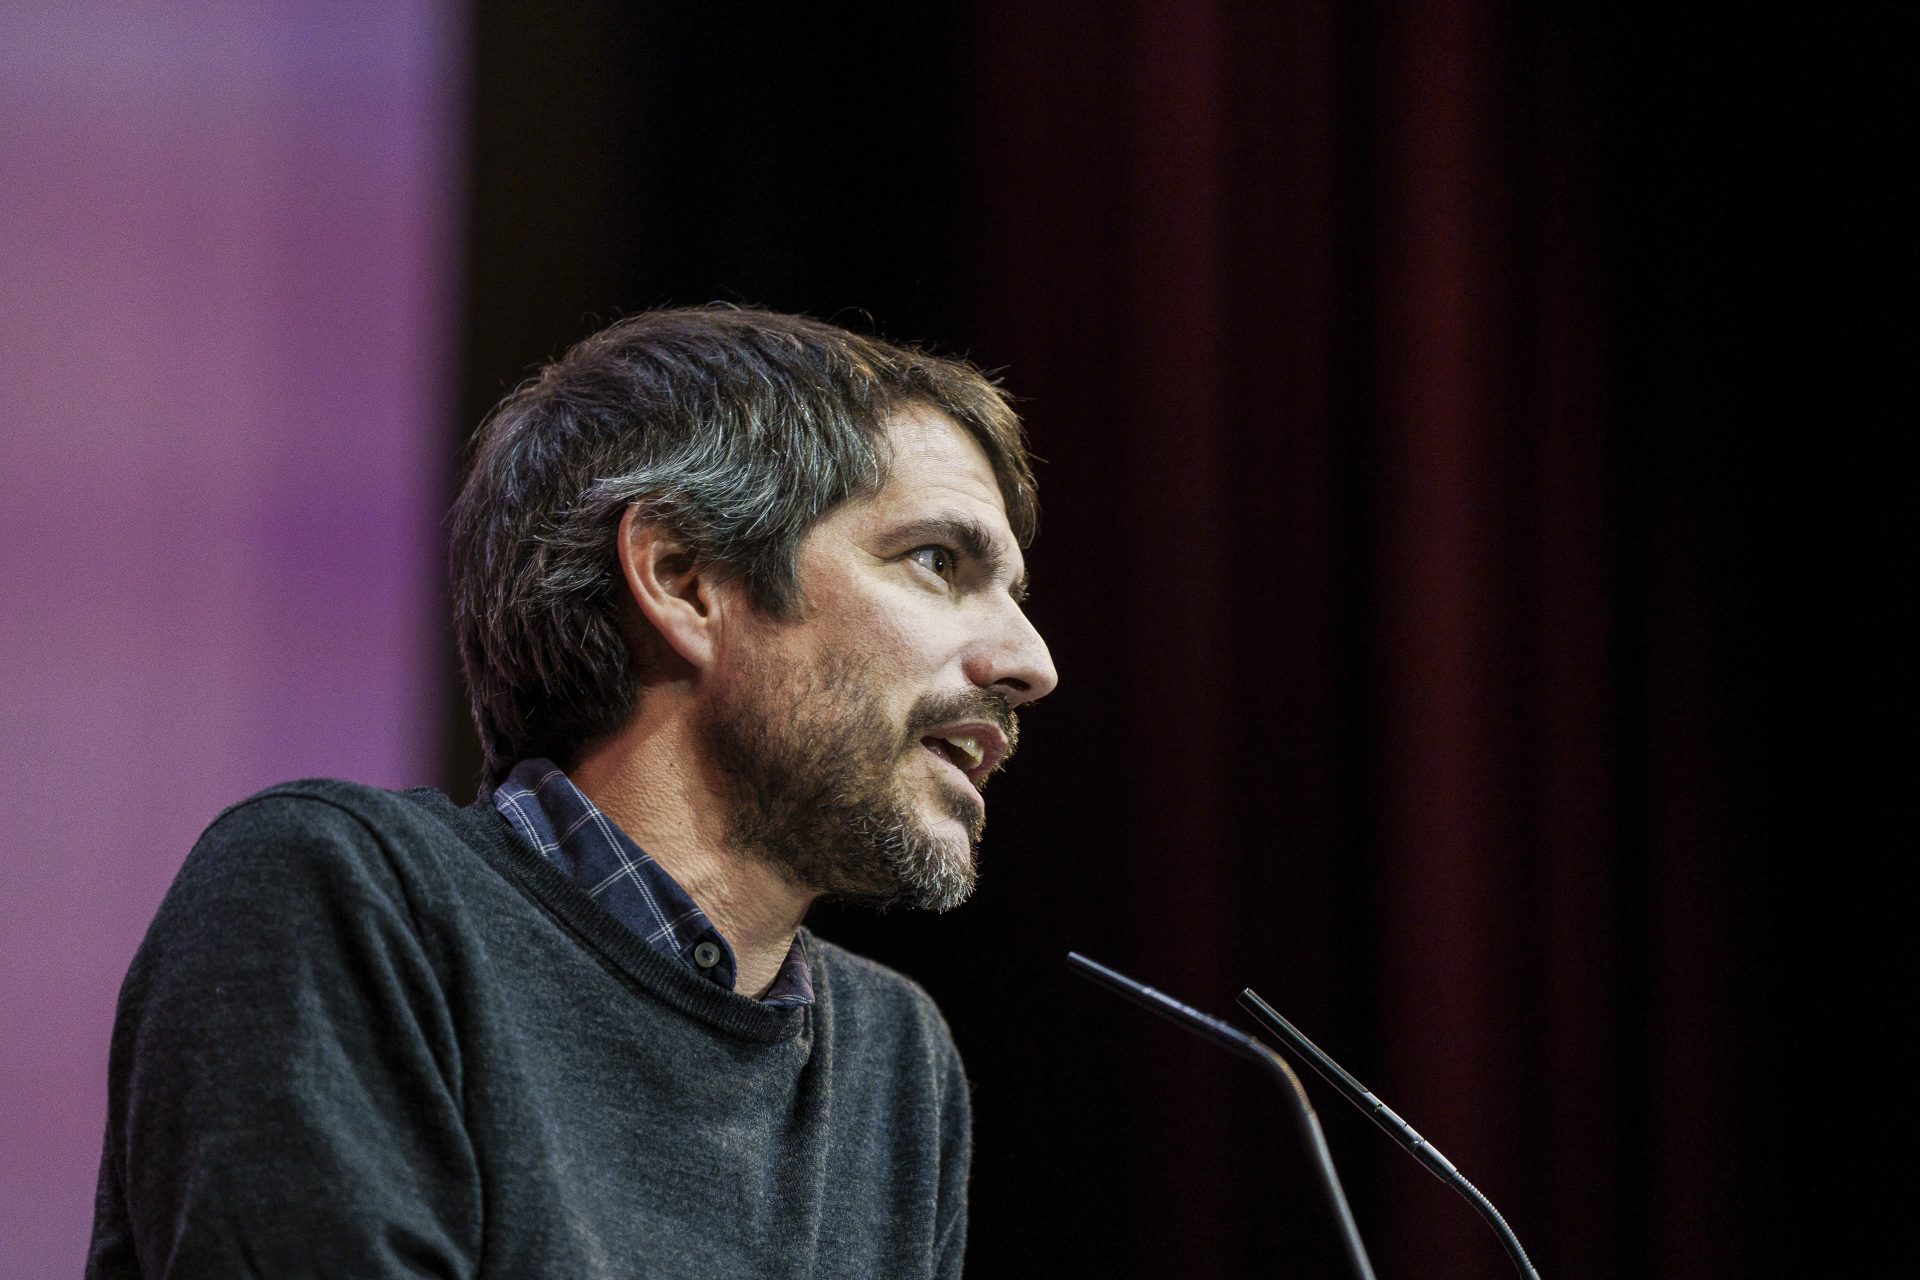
{"x":555,"y":818}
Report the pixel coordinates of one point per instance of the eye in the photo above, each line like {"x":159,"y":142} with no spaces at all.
{"x":938,"y":561}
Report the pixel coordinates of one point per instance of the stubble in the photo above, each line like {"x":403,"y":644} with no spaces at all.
{"x":815,"y":771}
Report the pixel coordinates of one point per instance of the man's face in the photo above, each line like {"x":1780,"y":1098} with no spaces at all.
{"x":858,"y":737}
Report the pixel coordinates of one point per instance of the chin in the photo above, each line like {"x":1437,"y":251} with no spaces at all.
{"x":941,"y":883}
{"x":956,"y":844}
{"x":933,"y":862}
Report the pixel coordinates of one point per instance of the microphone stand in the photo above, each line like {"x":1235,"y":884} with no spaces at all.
{"x":1397,"y":1129}
{"x":1229,"y":1037}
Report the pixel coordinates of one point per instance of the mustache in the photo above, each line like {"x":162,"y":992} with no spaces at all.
{"x":990,"y":705}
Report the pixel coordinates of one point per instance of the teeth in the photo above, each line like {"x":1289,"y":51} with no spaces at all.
{"x":969,"y":748}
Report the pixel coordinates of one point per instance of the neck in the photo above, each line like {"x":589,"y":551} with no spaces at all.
{"x":651,"y":779}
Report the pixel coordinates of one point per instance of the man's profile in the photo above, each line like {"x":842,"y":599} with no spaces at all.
{"x":737,"y":597}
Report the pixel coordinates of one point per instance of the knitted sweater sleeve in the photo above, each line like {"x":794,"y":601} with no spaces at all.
{"x":284,"y":1083}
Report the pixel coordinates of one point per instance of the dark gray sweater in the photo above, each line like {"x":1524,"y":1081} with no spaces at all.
{"x":370,"y":1034}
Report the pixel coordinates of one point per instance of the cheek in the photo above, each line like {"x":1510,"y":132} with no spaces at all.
{"x":906,"y":640}
{"x":886,"y":631}
{"x":888,"y":664}
{"x":916,"y":645}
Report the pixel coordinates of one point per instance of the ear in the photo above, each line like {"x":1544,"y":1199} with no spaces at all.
{"x":674,"y":592}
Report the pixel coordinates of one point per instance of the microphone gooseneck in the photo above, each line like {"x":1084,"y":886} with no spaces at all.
{"x":1230,"y":1037}
{"x":1397,"y":1129}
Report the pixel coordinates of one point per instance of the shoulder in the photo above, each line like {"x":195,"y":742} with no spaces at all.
{"x":309,"y":849}
{"x":878,"y":1000}
{"x":854,"y":976}
{"x":333,"y":806}
{"x":311,"y":878}
{"x":897,"y":1049}
{"x":324,"y":820}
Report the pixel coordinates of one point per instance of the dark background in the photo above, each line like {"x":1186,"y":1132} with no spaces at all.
{"x":1404,"y":560}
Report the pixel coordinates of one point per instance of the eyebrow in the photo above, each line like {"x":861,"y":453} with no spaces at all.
{"x":968,"y":536}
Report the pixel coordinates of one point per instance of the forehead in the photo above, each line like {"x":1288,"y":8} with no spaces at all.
{"x":940,"y":487}
{"x":931,"y":457}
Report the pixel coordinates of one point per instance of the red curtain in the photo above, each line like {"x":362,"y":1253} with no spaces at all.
{"x":1390,"y":543}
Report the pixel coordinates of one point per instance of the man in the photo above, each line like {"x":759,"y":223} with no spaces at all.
{"x":737,"y":597}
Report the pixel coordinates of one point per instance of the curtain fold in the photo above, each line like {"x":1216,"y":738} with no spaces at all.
{"x":1332,"y":335}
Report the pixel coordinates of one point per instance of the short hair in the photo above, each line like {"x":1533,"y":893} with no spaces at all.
{"x":737,"y":429}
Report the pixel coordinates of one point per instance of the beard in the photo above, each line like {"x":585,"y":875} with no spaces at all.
{"x":814,"y":770}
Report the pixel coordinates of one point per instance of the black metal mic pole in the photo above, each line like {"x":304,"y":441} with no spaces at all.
{"x":1221,"y":1033}
{"x":1399,"y":1130}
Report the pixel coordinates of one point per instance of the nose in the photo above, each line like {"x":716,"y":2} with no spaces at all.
{"x":1013,"y":658}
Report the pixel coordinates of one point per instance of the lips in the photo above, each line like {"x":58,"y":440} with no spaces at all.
{"x":976,"y":748}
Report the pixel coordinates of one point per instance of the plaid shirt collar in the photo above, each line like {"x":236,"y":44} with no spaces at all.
{"x":555,"y":818}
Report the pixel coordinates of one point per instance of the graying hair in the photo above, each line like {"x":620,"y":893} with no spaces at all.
{"x":737,"y":430}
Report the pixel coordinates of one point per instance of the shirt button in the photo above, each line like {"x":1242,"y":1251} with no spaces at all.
{"x":706,"y":955}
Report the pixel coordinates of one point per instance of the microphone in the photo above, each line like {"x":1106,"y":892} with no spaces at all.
{"x":1230,"y":1037}
{"x":1397,"y":1129}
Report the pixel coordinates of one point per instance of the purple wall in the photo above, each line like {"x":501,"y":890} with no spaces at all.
{"x":227,"y":281}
